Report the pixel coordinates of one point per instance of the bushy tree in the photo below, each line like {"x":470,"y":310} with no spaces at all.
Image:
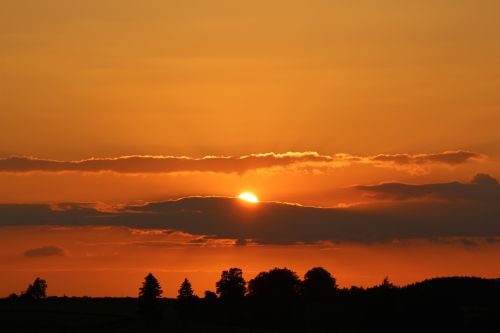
{"x":232,"y":285}
{"x":318,"y":285}
{"x":37,"y":290}
{"x":210,"y":295}
{"x":185,"y":291}
{"x":12,"y":297}
{"x":276,"y":285}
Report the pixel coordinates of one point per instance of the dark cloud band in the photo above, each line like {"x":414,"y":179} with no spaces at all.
{"x":476,"y":214}
{"x":483,"y":187}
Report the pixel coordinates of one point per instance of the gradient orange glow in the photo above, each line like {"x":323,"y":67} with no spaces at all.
{"x":384,"y":108}
{"x":112,"y":261}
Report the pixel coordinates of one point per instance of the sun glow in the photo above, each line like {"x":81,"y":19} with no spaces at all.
{"x":249,"y":197}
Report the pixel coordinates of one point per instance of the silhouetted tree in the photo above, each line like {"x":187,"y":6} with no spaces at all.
{"x":185,"y":291}
{"x":210,"y":295}
{"x":386,"y":284}
{"x":149,"y":294}
{"x":276,"y":285}
{"x":150,"y":289}
{"x":232,"y":285}
{"x":37,"y":290}
{"x":318,"y":285}
{"x":356,"y":291}
{"x":12,"y":297}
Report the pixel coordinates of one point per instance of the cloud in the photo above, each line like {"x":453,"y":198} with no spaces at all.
{"x":482,"y":187}
{"x":477,"y":214}
{"x":163,"y":164}
{"x":45,"y":251}
{"x":469,"y":242}
{"x":419,"y":163}
{"x":137,"y":164}
{"x":448,"y":158}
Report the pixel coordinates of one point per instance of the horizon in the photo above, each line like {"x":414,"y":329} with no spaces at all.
{"x":248,"y":279}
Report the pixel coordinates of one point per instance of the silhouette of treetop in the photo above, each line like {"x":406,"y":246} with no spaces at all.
{"x":318,"y":285}
{"x":231,"y":285}
{"x":210,"y":295}
{"x":278,"y":284}
{"x":150,"y":289}
{"x":185,"y":291}
{"x":37,"y":290}
{"x":387,"y":284}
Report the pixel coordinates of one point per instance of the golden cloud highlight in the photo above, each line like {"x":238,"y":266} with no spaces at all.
{"x":292,"y":161}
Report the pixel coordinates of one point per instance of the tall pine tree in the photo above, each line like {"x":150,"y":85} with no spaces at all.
{"x":185,"y":291}
{"x":150,"y":289}
{"x":149,"y":295}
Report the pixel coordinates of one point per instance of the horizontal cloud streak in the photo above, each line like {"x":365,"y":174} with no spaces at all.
{"x":45,"y":251}
{"x":164,"y":164}
{"x":448,"y":157}
{"x":482,"y":188}
{"x":477,"y":214}
{"x":240,"y":165}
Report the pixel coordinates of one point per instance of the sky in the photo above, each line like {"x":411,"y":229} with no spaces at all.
{"x":368,"y":129}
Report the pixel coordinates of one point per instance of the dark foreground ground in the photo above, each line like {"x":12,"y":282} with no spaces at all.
{"x":437,"y":305}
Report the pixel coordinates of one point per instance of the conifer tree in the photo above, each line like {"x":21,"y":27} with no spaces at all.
{"x":149,"y":296}
{"x":185,"y":291}
{"x":151,"y":289}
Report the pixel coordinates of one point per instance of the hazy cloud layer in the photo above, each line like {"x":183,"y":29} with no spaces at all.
{"x":290,"y":160}
{"x":45,"y":251}
{"x":449,"y":157}
{"x":477,"y":214}
{"x":481,"y":188}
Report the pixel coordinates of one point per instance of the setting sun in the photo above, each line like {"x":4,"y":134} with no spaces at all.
{"x":250,"y":197}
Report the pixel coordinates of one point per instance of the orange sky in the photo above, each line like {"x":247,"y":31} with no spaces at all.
{"x":113,"y":261}
{"x":343,"y":94}
{"x":205,"y":77}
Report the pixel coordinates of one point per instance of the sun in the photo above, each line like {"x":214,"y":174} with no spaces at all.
{"x":249,"y":197}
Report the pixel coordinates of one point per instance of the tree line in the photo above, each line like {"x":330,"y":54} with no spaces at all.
{"x":275,"y":284}
{"x":279,"y":299}
{"x":278,"y":286}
